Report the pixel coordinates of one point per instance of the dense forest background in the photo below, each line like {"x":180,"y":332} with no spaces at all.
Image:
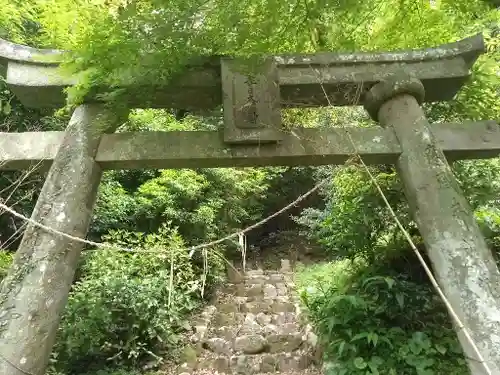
{"x":369,"y":301}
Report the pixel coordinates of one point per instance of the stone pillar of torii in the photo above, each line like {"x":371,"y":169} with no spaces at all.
{"x":391,"y":86}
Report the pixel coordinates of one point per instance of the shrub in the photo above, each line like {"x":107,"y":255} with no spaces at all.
{"x":371,"y":324}
{"x":130,"y":307}
{"x":5,"y":262}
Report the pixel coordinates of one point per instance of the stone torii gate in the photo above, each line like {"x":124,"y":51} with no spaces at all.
{"x":392,"y":87}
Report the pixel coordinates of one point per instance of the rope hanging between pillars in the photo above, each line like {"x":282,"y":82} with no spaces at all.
{"x":242,"y":240}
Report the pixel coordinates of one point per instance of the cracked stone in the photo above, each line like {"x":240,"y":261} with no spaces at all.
{"x":250,"y":344}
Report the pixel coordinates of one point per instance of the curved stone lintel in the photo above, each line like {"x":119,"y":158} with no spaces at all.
{"x":16,"y":52}
{"x":34,"y":77}
{"x":469,"y":49}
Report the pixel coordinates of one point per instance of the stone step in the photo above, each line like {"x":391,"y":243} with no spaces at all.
{"x":255,"y":364}
{"x":252,"y":309}
{"x":257,"y":305}
{"x":256,"y":343}
{"x":256,"y":290}
{"x":258,"y":276}
{"x":260,"y":324}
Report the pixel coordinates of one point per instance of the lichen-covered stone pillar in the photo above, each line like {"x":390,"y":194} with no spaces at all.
{"x":35,"y":291}
{"x":461,"y":260}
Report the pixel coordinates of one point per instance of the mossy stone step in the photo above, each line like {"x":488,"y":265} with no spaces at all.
{"x":255,"y":364}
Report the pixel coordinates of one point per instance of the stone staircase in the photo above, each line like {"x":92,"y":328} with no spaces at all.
{"x":254,"y":327}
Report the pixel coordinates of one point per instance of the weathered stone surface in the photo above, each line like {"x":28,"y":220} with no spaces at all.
{"x":282,"y":318}
{"x":270,"y":291}
{"x":257,"y":272}
{"x":443,"y":70}
{"x":228,"y":308}
{"x":221,"y":364}
{"x":35,"y":291}
{"x":263,"y":341}
{"x":251,"y":101}
{"x":462,"y":262}
{"x":285,"y":265}
{"x":257,"y":306}
{"x":269,"y":363}
{"x":288,"y":362}
{"x":234,"y":289}
{"x":261,"y":279}
{"x":279,"y":307}
{"x":227,"y":333}
{"x":284,"y":342}
{"x":206,"y":149}
{"x":227,"y":319}
{"x":250,"y":325}
{"x":199,"y":334}
{"x":263,"y":319}
{"x":241,"y":365}
{"x":254,"y":290}
{"x":282,"y":289}
{"x":289,"y":328}
{"x":276,"y":278}
{"x":270,"y":329}
{"x":250,"y":344}
{"x":219,"y":345}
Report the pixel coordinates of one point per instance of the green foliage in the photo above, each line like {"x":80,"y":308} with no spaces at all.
{"x":202,"y":204}
{"x":129,"y":307}
{"x":370,"y":323}
{"x":116,"y":41}
{"x":126,"y":306}
{"x":5,"y":262}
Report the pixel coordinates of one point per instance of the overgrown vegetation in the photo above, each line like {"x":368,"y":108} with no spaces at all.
{"x":372,"y":307}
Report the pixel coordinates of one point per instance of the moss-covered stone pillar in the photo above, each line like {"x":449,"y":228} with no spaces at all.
{"x":461,"y":260}
{"x":35,"y":291}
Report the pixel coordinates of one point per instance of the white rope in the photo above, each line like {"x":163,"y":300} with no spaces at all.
{"x":191,"y":249}
{"x":242,"y":240}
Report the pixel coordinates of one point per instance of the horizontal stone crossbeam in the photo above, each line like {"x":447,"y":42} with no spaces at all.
{"x":34,"y":77}
{"x":206,"y":149}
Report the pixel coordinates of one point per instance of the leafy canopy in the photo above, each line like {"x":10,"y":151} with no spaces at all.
{"x":139,"y":41}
